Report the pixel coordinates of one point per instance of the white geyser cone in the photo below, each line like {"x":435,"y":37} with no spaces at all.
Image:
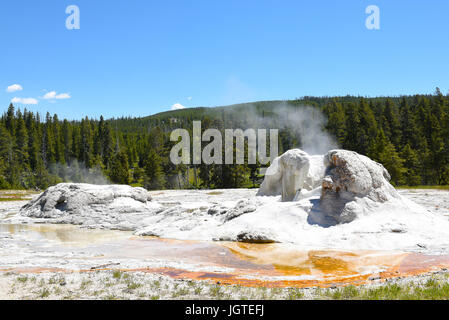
{"x":345,"y":179}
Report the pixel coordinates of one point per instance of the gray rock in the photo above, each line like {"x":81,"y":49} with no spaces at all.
{"x":254,"y":237}
{"x":397,"y":230}
{"x":242,"y":207}
{"x":351,"y":181}
{"x":216,"y":210}
{"x":147,"y":233}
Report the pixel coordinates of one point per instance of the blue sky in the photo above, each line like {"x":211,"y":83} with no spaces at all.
{"x":140,"y":57}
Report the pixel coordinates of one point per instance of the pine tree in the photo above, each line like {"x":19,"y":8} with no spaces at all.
{"x":408,"y":125}
{"x":5,"y":156}
{"x":336,"y":122}
{"x":385,"y":153}
{"x":367,"y":132}
{"x":107,"y":144}
{"x":352,"y":126}
{"x":58,"y":142}
{"x":10,"y":120}
{"x":411,"y":165}
{"x":86,"y":143}
{"x":392,"y":126}
{"x":48,"y":150}
{"x":66,"y":140}
{"x":119,"y":171}
{"x":154,"y":175}
{"x":33,"y":141}
{"x":21,"y":142}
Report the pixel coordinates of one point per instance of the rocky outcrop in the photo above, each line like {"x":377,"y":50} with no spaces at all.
{"x":293,"y":171}
{"x":358,"y":175}
{"x":353,"y":182}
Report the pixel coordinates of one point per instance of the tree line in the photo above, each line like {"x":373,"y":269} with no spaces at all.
{"x":409,"y":135}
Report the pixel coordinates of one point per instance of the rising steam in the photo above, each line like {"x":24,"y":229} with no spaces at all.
{"x":306,"y":124}
{"x":77,"y":172}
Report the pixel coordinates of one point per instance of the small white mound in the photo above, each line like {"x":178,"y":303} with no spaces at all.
{"x":78,"y":198}
{"x":115,"y":206}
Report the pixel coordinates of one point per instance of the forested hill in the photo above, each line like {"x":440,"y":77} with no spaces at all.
{"x":409,"y":135}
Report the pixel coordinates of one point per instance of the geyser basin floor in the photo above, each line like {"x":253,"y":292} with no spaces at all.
{"x":65,"y":248}
{"x":47,"y":247}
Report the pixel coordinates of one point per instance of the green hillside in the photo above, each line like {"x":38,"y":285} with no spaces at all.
{"x":409,"y":135}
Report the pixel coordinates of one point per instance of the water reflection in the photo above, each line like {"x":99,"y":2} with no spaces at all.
{"x":289,"y":260}
{"x":63,"y":234}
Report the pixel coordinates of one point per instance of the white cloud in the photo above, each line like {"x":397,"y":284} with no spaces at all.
{"x":189,"y":98}
{"x":50,"y":95}
{"x":63,"y":96}
{"x":53,"y":95}
{"x":177,"y":106}
{"x":14,"y":88}
{"x":24,"y":100}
